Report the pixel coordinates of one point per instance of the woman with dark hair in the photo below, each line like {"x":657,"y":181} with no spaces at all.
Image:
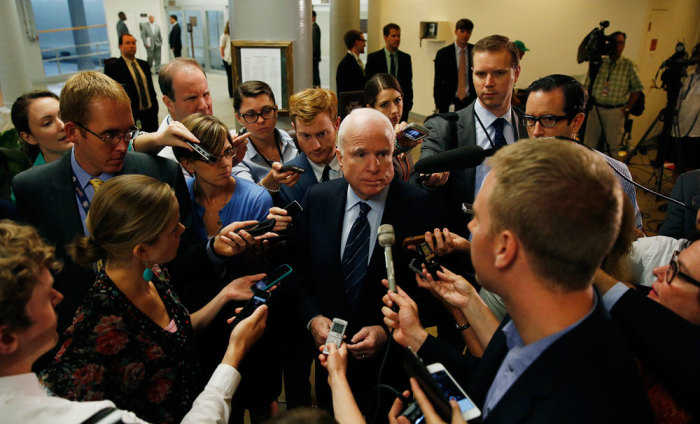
{"x":131,"y":340}
{"x":383,"y":93}
{"x":268,"y":147}
{"x":35,"y":117}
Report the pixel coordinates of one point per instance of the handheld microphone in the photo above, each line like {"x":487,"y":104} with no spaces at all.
{"x":386,"y":237}
{"x":454,"y":159}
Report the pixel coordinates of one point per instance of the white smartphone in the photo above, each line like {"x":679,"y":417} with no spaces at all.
{"x":336,"y":334}
{"x":452,"y":390}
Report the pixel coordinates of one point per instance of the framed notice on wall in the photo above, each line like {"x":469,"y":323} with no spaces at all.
{"x":268,"y":61}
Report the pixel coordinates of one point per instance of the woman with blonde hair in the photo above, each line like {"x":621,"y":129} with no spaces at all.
{"x":131,"y":340}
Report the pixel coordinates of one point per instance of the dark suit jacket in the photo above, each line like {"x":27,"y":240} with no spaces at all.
{"x":445,"y":83}
{"x":586,"y":376}
{"x":317,"y":235}
{"x":664,"y":343}
{"x":680,"y":222}
{"x":376,"y":64}
{"x":460,"y":185}
{"x":296,"y":192}
{"x":174,"y":38}
{"x":119,"y":71}
{"x":46,"y":200}
{"x":349,"y":75}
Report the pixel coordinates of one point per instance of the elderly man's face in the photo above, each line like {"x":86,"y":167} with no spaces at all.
{"x":366,"y":158}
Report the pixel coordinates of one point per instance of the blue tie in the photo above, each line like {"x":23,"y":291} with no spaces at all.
{"x":500,"y":139}
{"x":356,"y":254}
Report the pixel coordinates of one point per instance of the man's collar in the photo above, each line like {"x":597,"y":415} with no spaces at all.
{"x":375,"y":203}
{"x":487,"y":117}
{"x":81,"y":174}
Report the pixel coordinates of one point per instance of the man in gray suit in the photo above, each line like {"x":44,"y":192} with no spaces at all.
{"x":488,"y":122}
{"x":150,"y":34}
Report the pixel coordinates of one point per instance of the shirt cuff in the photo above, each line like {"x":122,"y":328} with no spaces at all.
{"x":213,"y":257}
{"x":225,"y":380}
{"x":613,"y":295}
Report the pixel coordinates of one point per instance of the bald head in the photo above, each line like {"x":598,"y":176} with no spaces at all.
{"x":361,"y":121}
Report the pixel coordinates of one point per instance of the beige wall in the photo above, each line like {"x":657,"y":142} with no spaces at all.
{"x":552,"y":30}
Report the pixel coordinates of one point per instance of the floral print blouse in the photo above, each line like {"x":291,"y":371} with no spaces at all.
{"x":114,"y":351}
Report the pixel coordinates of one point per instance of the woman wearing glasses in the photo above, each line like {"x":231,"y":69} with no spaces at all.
{"x":218,"y":198}
{"x":268,"y":147}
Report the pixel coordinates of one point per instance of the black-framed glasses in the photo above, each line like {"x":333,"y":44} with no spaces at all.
{"x":547,"y":121}
{"x":266,"y":113}
{"x":674,"y":269}
{"x":227,"y":154}
{"x":113,"y":138}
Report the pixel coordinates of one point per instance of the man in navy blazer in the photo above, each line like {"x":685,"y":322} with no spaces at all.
{"x":557,"y":357}
{"x":314,"y":116}
{"x":125,"y":71}
{"x":321,"y":236}
{"x":379,"y":62}
{"x":350,"y":74}
{"x":447,"y":70}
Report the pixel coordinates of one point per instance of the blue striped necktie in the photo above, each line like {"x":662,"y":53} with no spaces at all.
{"x":356,"y":254}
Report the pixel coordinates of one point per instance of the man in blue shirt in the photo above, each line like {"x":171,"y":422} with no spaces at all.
{"x":540,"y":230}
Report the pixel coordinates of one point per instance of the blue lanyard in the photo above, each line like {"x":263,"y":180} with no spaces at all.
{"x":82,"y":197}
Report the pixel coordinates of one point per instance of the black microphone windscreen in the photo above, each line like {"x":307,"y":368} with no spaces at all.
{"x":453,"y":160}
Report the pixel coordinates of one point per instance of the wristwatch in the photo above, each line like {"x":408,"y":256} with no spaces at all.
{"x":462,"y":327}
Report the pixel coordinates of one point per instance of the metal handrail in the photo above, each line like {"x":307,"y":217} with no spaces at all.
{"x":69,"y":46}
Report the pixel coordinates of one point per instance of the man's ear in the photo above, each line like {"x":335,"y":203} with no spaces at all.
{"x":576,"y":123}
{"x":337,"y":123}
{"x":506,"y":246}
{"x":9,"y":342}
{"x":71,"y":131}
{"x":339,"y":155}
{"x":169,"y":105}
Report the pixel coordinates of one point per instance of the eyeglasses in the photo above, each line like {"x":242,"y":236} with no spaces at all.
{"x":547,"y":121}
{"x":674,"y":269}
{"x":266,"y":113}
{"x":113,"y":138}
{"x":228,"y":154}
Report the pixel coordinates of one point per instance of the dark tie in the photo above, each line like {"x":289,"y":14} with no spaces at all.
{"x":392,"y":71}
{"x":354,"y":263}
{"x":143,"y":102}
{"x":500,"y":140}
{"x":326,"y":173}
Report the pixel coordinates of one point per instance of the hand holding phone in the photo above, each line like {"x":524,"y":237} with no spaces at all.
{"x":259,"y":228}
{"x":336,"y":333}
{"x":272,"y":279}
{"x":293,"y":168}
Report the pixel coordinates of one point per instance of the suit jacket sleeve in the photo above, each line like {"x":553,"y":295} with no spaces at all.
{"x":679,"y":222}
{"x":441,"y":83}
{"x":664,"y":342}
{"x":435,"y":142}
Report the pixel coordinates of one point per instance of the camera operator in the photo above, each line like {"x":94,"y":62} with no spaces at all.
{"x":688,"y":111}
{"x":615,"y":90}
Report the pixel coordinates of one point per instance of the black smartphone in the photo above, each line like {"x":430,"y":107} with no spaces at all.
{"x":293,"y":209}
{"x":243,"y":131}
{"x":259,"y":228}
{"x":257,"y":300}
{"x":272,"y":279}
{"x":293,"y":168}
